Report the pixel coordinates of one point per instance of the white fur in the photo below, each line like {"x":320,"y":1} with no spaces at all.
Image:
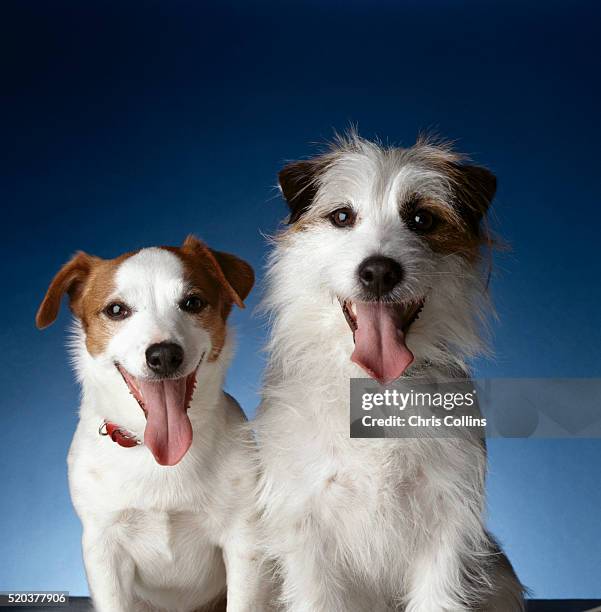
{"x":370,"y":525}
{"x":154,"y":537}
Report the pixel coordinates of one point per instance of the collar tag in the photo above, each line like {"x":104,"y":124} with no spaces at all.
{"x":118,"y":434}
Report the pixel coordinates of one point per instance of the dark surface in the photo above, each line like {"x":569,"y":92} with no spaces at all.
{"x":76,"y":604}
{"x":562,"y":605}
{"x":82,"y":604}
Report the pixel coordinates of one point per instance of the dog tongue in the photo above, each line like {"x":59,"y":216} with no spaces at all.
{"x":168,"y":432}
{"x":380,"y":347}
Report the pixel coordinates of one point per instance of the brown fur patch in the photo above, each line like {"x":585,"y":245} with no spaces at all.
{"x":88,"y":308}
{"x":88,"y":281}
{"x":222,"y":280}
{"x":451,"y":233}
{"x":473,"y":188}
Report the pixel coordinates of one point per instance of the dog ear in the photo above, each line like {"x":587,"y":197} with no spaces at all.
{"x":235,"y":275}
{"x":475,"y":189}
{"x":299,"y":186}
{"x":70,"y":279}
{"x":238,"y":273}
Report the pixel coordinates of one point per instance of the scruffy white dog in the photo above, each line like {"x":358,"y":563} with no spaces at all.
{"x":160,"y":468}
{"x":378,"y":273}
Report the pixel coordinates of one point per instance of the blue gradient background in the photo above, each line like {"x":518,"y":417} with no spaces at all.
{"x":126,"y":125}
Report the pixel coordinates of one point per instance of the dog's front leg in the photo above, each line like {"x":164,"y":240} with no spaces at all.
{"x":311,"y":583}
{"x":436,"y":581}
{"x":109,"y":570}
{"x":248,"y":586}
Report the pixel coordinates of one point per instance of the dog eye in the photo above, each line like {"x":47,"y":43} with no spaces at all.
{"x":343,"y":217}
{"x":192,"y":303}
{"x":421,"y":221}
{"x":117,"y":311}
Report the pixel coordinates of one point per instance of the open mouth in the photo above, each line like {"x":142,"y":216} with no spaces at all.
{"x":165,"y":403}
{"x":379,"y":330}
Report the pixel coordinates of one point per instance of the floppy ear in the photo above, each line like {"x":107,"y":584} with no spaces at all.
{"x":476,"y":187}
{"x":70,"y":279}
{"x":238,"y":273}
{"x":235,"y":275}
{"x":299,"y":185}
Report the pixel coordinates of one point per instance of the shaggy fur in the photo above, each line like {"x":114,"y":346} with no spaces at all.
{"x":375,"y":525}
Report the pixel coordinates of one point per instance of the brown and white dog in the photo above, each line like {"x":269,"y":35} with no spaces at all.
{"x":160,"y":468}
{"x":377,"y":274}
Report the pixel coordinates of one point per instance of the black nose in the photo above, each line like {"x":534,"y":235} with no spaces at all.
{"x":164,"y":358}
{"x":379,"y":275}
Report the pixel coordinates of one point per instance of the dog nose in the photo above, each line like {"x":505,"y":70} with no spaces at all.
{"x":379,"y":275}
{"x":164,"y":358}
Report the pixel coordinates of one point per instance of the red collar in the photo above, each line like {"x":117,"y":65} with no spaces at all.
{"x":119,"y":435}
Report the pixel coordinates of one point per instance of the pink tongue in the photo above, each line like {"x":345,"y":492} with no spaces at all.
{"x":380,"y":347}
{"x":168,"y":432}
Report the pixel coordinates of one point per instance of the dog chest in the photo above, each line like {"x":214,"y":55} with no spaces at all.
{"x":170,"y":549}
